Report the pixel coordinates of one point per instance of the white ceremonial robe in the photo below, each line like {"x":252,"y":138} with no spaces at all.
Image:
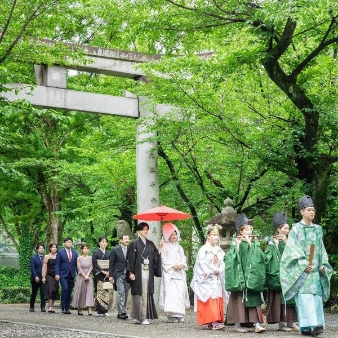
{"x":205,"y":283}
{"x":174,"y":297}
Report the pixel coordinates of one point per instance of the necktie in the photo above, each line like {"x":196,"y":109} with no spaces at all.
{"x":41,"y":258}
{"x":69,"y":255}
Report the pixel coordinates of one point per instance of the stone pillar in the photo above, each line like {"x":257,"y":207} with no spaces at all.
{"x":146,"y":169}
{"x":147,"y":175}
{"x":50,"y":76}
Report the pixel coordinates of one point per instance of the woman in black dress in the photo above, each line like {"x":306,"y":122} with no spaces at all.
{"x":101,"y":272}
{"x":48,"y":277}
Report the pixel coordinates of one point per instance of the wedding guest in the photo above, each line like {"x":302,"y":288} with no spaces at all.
{"x":65,"y":272}
{"x":174,"y":297}
{"x":48,"y":277}
{"x":36,"y":279}
{"x":117,"y":274}
{"x":143,"y":263}
{"x":83,"y":292}
{"x":100,"y":261}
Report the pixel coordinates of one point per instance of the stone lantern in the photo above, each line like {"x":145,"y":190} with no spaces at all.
{"x":226,"y":219}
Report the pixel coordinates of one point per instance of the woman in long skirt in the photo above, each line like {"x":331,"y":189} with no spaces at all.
{"x":101,"y":273}
{"x":83,"y":294}
{"x":48,"y":277}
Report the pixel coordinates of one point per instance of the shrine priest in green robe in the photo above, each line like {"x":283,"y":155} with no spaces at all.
{"x":308,"y":282}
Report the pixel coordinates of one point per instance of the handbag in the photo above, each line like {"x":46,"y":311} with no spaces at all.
{"x":103,"y":264}
{"x":107,"y":285}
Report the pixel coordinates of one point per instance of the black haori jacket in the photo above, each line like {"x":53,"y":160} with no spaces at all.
{"x":136,"y":254}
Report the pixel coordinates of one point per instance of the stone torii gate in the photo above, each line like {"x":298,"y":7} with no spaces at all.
{"x":51,"y":92}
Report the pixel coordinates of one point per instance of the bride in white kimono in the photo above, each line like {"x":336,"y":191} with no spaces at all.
{"x":174,"y":298}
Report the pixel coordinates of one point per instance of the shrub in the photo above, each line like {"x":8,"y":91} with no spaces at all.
{"x":14,"y":288}
{"x":13,"y":295}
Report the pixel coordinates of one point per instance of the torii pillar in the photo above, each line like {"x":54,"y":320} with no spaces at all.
{"x":147,"y":168}
{"x":51,"y":92}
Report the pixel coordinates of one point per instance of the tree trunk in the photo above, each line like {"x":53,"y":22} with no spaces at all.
{"x":51,"y":200}
{"x":314,"y":170}
{"x":320,"y":185}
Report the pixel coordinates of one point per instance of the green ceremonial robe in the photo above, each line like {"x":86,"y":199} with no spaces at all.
{"x":273,"y":255}
{"x":295,"y":258}
{"x":247,"y":261}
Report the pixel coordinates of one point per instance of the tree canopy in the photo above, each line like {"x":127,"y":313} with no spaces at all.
{"x":254,"y":84}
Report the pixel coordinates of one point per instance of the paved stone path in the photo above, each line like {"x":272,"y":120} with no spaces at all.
{"x":16,"y":321}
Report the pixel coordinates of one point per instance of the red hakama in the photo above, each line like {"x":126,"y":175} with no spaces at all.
{"x":210,"y":311}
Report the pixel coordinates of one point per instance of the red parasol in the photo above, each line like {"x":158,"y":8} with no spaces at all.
{"x":161,"y":213}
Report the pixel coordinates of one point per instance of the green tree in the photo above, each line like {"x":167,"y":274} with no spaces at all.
{"x":41,"y":159}
{"x":64,"y":171}
{"x":289,"y":47}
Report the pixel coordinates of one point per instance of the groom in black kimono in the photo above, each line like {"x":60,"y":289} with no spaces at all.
{"x":143,"y":263}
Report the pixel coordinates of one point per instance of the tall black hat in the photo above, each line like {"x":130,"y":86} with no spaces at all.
{"x":241,"y":220}
{"x":279,"y":218}
{"x":305,"y":202}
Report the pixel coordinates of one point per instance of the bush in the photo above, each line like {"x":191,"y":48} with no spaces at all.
{"x":14,"y":288}
{"x":333,"y":300}
{"x":13,"y":295}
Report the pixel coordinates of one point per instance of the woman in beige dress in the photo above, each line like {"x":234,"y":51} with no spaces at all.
{"x":83,"y":294}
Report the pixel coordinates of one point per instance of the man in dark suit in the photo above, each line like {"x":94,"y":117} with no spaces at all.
{"x":117,"y":274}
{"x":65,"y":271}
{"x":36,"y":278}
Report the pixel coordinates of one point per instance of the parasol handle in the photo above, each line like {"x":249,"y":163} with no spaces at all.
{"x":312,"y":251}
{"x":161,"y":244}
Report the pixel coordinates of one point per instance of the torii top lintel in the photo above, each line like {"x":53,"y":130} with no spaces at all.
{"x":106,"y":61}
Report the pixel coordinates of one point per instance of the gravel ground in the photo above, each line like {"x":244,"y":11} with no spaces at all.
{"x":17,"y":321}
{"x":23,"y":330}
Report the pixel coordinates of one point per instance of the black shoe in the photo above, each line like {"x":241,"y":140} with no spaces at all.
{"x":122,"y":316}
{"x":63,"y":311}
{"x":306,"y":333}
{"x":317,"y":330}
{"x":43,"y":309}
{"x":31,"y":309}
{"x":67,"y":312}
